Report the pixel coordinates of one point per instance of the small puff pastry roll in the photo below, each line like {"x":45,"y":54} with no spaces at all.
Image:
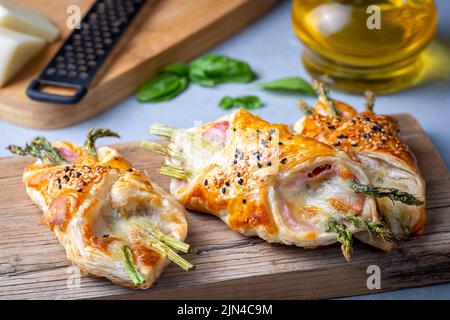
{"x":373,"y":140}
{"x":261,"y":179}
{"x":111,"y":219}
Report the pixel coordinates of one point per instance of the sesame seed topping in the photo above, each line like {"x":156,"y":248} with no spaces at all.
{"x":224,"y":190}
{"x":283,"y":161}
{"x":227,"y":184}
{"x":244,"y":201}
{"x":206,"y":182}
{"x":240,"y":181}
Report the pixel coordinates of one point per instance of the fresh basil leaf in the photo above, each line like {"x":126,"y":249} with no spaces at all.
{"x":178,"y":68}
{"x":289,"y":84}
{"x":246,"y":102}
{"x":164,"y":86}
{"x":212,"y":69}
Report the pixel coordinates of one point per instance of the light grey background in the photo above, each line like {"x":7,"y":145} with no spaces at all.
{"x":273,"y":51}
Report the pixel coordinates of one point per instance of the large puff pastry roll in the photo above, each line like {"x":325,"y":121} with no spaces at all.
{"x":373,"y":140}
{"x":262,"y":179}
{"x":111,"y":219}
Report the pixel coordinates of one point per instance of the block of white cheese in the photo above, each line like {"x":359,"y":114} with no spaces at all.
{"x":15,"y":17}
{"x":16,"y":50}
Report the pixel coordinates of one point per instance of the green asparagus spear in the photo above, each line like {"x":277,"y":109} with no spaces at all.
{"x":92,"y":137}
{"x":40,"y":148}
{"x":305,"y":108}
{"x":379,"y":229}
{"x":323,"y":93}
{"x":344,"y":236}
{"x":131,"y":268}
{"x":160,"y":149}
{"x":370,"y":101}
{"x":391,"y":193}
{"x":174,"y":171}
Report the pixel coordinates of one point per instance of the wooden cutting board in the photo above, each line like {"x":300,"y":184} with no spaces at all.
{"x":33,"y":264}
{"x":173,"y":30}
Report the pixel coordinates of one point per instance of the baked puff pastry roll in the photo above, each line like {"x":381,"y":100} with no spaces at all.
{"x":373,"y":140}
{"x":263,"y":180}
{"x":111,"y":219}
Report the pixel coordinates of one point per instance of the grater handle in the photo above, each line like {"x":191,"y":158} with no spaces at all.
{"x":34,"y":92}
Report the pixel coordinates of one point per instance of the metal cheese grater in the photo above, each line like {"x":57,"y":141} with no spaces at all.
{"x":85,"y":50}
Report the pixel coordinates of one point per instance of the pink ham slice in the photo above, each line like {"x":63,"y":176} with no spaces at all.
{"x":218,"y":132}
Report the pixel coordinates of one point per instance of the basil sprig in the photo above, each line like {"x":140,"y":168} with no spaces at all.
{"x":212,"y":69}
{"x":246,"y":102}
{"x":294,"y":84}
{"x":168,"y":84}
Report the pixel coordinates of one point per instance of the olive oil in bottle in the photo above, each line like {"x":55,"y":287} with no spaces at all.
{"x":364,"y":44}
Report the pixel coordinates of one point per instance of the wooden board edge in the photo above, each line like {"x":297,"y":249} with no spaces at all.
{"x":37,"y":115}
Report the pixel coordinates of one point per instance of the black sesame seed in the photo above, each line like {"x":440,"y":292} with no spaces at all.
{"x":66,"y":169}
{"x":83,"y":183}
{"x":238,"y":174}
{"x":337,"y":144}
{"x":280,"y":143}
{"x":376,"y":128}
{"x":353,"y":121}
{"x":234,"y":129}
{"x":105,"y":235}
{"x":244,"y":201}
{"x":227,"y":184}
{"x":242,"y":156}
{"x":366,"y":135}
{"x":366,"y":118}
{"x":264,"y":143}
{"x":80,"y":190}
{"x":354,"y":144}
{"x":269,"y":163}
{"x":283,"y":161}
{"x":59,"y":180}
{"x":130,"y":169}
{"x":206,"y":182}
{"x":240,"y":181}
{"x":342,"y":136}
{"x":259,"y":165}
{"x":331,"y":127}
{"x":270,"y":138}
{"x":59,"y":186}
{"x":78,"y":174}
{"x":258,"y":131}
{"x":235,"y":162}
{"x":66,"y":177}
{"x":224,"y":190}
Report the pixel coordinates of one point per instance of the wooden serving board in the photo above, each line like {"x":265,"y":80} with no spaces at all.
{"x":229,"y":265}
{"x":173,"y":30}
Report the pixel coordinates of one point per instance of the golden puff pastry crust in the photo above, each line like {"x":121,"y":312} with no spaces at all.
{"x":374,"y":140}
{"x":262,"y":179}
{"x":104,"y":212}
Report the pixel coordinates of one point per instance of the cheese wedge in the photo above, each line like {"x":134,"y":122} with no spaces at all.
{"x":16,"y":50}
{"x":15,"y":17}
